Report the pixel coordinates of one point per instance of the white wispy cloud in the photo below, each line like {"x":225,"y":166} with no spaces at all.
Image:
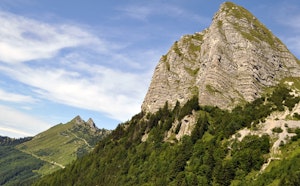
{"x":113,"y":92}
{"x":87,"y":75}
{"x":15,"y":133}
{"x":287,"y":14}
{"x":293,"y":43}
{"x":292,"y":21}
{"x":138,"y":12}
{"x":17,"y":98}
{"x":145,"y":11}
{"x":23,"y":39}
{"x":288,"y":17}
{"x":14,"y":123}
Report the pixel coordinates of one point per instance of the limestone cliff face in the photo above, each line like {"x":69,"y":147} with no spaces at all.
{"x":231,"y":61}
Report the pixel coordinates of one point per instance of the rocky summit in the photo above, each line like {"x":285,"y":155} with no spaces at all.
{"x":232,"y":61}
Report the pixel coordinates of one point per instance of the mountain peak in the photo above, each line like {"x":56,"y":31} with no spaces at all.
{"x":231,"y":9}
{"x":78,"y":120}
{"x":230,"y":62}
{"x":227,"y":6}
{"x":244,"y":23}
{"x":91,"y":124}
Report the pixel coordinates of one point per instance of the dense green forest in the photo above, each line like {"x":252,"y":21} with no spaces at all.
{"x":209,"y":156}
{"x":16,"y":166}
{"x":12,"y":141}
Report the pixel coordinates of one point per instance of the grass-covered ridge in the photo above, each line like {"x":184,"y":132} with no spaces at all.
{"x":61,"y":145}
{"x":207,"y":156}
{"x":24,"y":160}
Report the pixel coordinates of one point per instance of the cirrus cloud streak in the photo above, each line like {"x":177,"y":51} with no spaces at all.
{"x":69,"y":65}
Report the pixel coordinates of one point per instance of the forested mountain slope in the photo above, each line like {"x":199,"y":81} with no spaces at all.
{"x":16,"y":167}
{"x":208,"y":156}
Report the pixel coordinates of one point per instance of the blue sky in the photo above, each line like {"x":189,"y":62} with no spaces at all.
{"x":95,"y":58}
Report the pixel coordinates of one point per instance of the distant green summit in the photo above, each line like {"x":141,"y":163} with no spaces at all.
{"x":48,"y":151}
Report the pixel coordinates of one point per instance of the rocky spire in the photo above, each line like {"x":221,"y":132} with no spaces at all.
{"x":231,"y":61}
{"x":77,"y":120}
{"x":91,"y":124}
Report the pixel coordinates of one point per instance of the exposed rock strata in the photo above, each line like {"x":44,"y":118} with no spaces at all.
{"x":231,"y":61}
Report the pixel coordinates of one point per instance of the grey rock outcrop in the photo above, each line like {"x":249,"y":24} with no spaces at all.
{"x":231,"y":61}
{"x":78,"y":120}
{"x":90,"y":123}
